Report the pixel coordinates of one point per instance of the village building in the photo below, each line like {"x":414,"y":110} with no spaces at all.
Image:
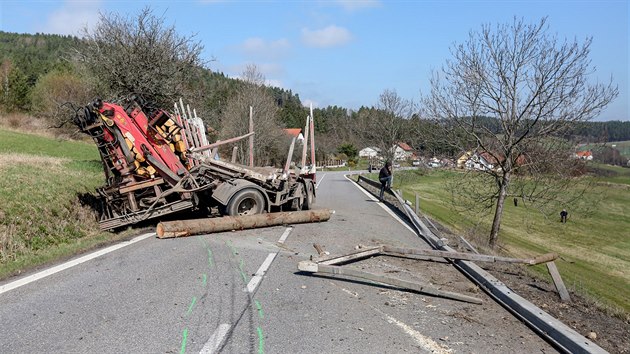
{"x":584,"y":155}
{"x":475,"y":161}
{"x":369,"y":152}
{"x":402,"y":151}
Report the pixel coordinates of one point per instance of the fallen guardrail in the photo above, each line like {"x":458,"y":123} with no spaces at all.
{"x":563,"y":337}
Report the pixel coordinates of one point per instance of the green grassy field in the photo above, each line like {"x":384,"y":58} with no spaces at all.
{"x":594,"y":244}
{"x":41,"y":218}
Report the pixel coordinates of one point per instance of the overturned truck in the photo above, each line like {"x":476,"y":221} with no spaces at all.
{"x":158,"y":163}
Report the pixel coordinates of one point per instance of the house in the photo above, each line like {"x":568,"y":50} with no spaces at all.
{"x":484,"y":161}
{"x":402,"y":151}
{"x":369,"y":152}
{"x":584,"y":155}
{"x":476,"y":161}
{"x":294,"y":133}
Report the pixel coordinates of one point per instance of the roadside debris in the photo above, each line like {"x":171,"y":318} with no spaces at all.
{"x":332,"y":265}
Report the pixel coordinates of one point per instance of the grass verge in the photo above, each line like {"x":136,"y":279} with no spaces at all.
{"x":41,"y":217}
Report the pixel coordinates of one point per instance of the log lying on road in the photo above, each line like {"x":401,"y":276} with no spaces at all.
{"x":181,"y":228}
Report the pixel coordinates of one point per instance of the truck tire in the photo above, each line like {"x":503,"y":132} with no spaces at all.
{"x":309,"y":199}
{"x":246,"y":202}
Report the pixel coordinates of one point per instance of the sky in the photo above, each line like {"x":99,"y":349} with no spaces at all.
{"x":345,"y":52}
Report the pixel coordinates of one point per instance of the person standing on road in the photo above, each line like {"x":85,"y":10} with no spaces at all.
{"x":385,"y":177}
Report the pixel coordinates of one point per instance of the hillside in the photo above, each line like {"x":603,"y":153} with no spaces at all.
{"x":41,"y":214}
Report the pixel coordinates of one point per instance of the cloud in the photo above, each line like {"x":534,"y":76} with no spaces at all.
{"x":330,"y":36}
{"x":72,"y":17}
{"x":307,"y":103}
{"x":353,"y":5}
{"x":269,"y":70}
{"x":274,"y":83}
{"x":262,"y":49}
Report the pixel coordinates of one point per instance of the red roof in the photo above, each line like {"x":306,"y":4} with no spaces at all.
{"x":584,"y":153}
{"x":294,"y":132}
{"x":405,"y":147}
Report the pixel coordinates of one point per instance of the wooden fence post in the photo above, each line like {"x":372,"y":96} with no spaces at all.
{"x":417,"y":204}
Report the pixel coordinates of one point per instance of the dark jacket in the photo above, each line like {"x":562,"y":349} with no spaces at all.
{"x":385,"y":172}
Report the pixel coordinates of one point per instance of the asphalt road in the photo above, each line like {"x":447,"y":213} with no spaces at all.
{"x":241,"y":292}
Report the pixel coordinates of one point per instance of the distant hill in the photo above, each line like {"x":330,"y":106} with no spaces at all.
{"x":24,"y":58}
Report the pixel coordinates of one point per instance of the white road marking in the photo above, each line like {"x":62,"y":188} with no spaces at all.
{"x":352,"y":293}
{"x":260,"y":273}
{"x":285,"y":235}
{"x":389,"y":211}
{"x":425,"y":342}
{"x":56,"y":269}
{"x":216,"y":339}
{"x":319,"y":182}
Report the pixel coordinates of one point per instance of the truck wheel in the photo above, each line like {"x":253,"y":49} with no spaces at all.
{"x":246,"y":202}
{"x":309,"y":199}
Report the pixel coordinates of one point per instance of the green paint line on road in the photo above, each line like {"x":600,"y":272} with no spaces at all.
{"x":232,"y":248}
{"x":204,"y":280}
{"x":240,"y":268}
{"x":192,"y":304}
{"x":207,"y":247}
{"x":184,"y":339}
{"x":259,"y":308}
{"x":244,"y":277}
{"x":261,"y":341}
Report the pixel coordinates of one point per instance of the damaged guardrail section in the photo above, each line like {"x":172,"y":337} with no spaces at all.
{"x":559,"y":334}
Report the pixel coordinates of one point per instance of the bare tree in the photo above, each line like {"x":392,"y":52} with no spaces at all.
{"x":534,"y":85}
{"x":140,"y":55}
{"x":269,"y":141}
{"x":253,"y":75}
{"x":383,"y":126}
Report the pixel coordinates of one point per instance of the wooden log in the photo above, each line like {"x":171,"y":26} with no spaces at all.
{"x":557,"y":281}
{"x":181,"y":228}
{"x":312,"y":267}
{"x":398,"y":251}
{"x":353,"y":256}
{"x":319,"y":249}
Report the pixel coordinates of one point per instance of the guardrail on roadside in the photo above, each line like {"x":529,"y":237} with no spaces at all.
{"x":548,"y":327}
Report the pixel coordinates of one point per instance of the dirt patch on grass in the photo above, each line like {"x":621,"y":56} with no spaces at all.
{"x":33,"y":160}
{"x":24,"y":123}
